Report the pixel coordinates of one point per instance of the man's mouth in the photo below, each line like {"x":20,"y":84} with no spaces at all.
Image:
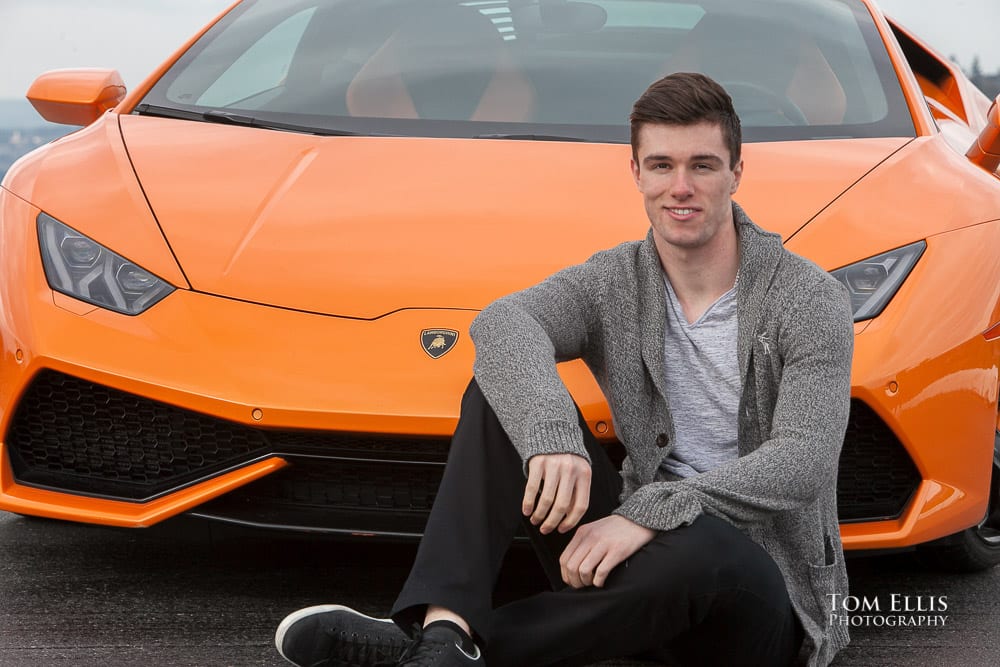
{"x":682,"y":211}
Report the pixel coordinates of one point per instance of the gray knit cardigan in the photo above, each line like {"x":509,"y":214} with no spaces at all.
{"x":794,"y":349}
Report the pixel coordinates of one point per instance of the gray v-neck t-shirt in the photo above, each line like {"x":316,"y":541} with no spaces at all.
{"x":703,"y":385}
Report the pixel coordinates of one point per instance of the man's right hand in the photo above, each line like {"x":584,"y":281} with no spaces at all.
{"x":558,"y":491}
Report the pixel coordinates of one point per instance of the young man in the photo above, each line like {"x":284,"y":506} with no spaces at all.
{"x":725,"y":360}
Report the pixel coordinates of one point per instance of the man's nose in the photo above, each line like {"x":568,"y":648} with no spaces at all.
{"x":680,"y":186}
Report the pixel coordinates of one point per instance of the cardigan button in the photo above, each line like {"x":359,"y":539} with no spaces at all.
{"x":662,"y":440}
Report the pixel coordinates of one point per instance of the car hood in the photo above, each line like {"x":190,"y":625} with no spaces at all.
{"x":364,"y":226}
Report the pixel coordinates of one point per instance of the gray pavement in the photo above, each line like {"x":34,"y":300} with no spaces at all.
{"x":189,"y":593}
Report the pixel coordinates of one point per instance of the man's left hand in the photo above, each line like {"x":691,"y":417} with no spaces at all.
{"x":599,"y":547}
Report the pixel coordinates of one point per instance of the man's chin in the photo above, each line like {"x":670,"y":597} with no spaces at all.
{"x":681,"y":240}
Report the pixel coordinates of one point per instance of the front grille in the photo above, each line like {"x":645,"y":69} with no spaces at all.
{"x":876,"y":477}
{"x":78,"y":436}
{"x":386,"y":498}
{"x":73,"y":435}
{"x":351,"y":485}
{"x":360,"y":445}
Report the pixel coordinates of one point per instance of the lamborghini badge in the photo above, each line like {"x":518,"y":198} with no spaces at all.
{"x":438,"y":342}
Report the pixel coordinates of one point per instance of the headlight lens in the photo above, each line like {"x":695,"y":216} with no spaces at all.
{"x":873,"y":282}
{"x":84,"y":269}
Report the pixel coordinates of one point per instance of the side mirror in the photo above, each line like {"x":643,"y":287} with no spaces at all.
{"x":985,"y":152}
{"x":76,"y":96}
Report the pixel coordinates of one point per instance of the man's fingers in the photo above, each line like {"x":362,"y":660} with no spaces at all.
{"x":560,"y":506}
{"x":558,"y":486}
{"x":581,"y":501}
{"x":531,"y":488}
{"x":572,"y":574}
{"x":597,"y":548}
{"x":550,"y":483}
{"x":579,"y":549}
{"x":581,"y":571}
{"x":600,"y":576}
{"x":586,"y":569}
{"x":568,"y":556}
{"x":602,"y":571}
{"x":551,"y":472}
{"x":564,"y":573}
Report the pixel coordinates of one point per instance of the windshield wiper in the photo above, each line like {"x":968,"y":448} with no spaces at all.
{"x":229,"y":118}
{"x":528,"y":137}
{"x":166,"y":112}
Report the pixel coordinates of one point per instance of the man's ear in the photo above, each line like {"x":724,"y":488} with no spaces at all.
{"x":737,"y":177}
{"x":634,"y":168}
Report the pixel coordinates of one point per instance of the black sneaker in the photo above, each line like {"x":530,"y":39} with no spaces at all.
{"x":442,"y":644}
{"x":338,"y":636}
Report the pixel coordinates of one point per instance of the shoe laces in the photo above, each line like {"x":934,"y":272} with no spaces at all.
{"x":367,"y":649}
{"x":425,"y":649}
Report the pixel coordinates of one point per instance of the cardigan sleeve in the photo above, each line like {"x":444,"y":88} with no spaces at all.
{"x":519,"y":339}
{"x":807,"y":427}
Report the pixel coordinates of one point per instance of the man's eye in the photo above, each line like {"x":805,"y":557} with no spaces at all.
{"x":703,"y":167}
{"x":661,"y":165}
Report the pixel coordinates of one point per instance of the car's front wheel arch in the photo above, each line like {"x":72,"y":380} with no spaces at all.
{"x":975,"y":548}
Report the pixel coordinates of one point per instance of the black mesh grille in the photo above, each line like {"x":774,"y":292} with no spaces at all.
{"x":333,"y":484}
{"x":74,"y":435}
{"x":350,"y":445}
{"x":877,"y":476}
{"x":78,"y":436}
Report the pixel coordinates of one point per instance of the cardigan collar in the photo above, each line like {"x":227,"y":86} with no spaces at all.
{"x":760,"y":252}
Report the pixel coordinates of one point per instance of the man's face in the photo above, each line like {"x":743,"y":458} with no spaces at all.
{"x":683,"y":174}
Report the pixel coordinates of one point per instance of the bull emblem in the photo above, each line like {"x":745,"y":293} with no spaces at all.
{"x":438,"y":342}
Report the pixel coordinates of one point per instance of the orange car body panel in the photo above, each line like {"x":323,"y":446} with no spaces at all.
{"x":923,"y":365}
{"x":929,"y":376}
{"x":50,"y":179}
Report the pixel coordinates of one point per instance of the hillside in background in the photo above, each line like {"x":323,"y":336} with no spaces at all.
{"x":18,"y":114}
{"x":14,"y":142}
{"x":988,"y":83}
{"x":22,"y":130}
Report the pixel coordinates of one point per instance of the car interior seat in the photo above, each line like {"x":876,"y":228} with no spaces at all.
{"x":762,"y":68}
{"x":448,"y":64}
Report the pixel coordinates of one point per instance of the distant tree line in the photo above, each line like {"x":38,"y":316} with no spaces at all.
{"x":988,"y":83}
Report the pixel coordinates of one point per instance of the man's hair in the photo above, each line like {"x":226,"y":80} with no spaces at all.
{"x":686,"y":98}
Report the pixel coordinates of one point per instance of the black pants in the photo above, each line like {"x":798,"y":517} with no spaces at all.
{"x":702,"y":594}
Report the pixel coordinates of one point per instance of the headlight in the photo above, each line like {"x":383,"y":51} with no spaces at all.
{"x":84,"y":269}
{"x":873,"y":282}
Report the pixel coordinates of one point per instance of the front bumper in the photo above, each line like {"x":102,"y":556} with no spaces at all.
{"x":81,"y":441}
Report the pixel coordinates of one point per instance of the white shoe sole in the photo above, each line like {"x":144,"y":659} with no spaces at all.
{"x":294,"y":617}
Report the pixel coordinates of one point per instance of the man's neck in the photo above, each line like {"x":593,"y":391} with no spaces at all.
{"x":699,"y":276}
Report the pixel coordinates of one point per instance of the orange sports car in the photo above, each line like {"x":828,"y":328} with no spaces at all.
{"x":242,"y":290}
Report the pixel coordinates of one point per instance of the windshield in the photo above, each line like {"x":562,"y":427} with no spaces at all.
{"x":547,"y":69}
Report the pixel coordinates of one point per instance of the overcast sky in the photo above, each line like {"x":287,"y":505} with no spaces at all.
{"x":132,"y":36}
{"x":135,"y":36}
{"x":957,"y":28}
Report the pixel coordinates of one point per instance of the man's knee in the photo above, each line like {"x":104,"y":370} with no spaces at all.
{"x":706,"y":557}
